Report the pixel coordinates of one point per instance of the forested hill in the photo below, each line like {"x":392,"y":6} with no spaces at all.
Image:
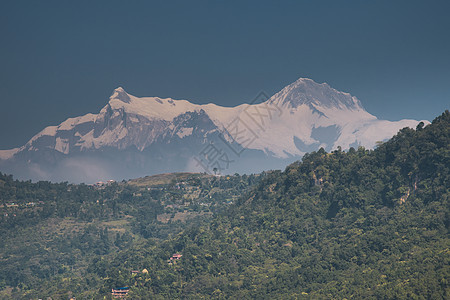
{"x":52,"y":234}
{"x":338,"y":225}
{"x":356,"y":224}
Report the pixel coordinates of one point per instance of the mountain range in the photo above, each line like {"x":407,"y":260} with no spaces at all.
{"x":136,"y":136}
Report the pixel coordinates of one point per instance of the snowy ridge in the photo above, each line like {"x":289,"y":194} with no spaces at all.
{"x":155,"y":108}
{"x":7,"y":154}
{"x":302,"y":117}
{"x":307,"y":91}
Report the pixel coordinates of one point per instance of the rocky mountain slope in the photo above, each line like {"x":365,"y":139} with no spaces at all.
{"x":132,"y":136}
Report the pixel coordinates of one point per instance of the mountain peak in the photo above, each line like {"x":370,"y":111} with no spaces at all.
{"x":120,"y":94}
{"x":150,"y":134}
{"x":304,"y":80}
{"x":307,"y":91}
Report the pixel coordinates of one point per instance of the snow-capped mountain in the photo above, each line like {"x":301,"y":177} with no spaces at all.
{"x":134,"y":136}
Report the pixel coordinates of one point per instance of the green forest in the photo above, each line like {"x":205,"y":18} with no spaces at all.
{"x":342,"y":225}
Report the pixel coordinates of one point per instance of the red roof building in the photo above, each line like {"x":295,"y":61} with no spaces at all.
{"x":176,"y":256}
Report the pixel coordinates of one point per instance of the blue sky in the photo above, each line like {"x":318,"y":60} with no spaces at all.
{"x":61,"y":59}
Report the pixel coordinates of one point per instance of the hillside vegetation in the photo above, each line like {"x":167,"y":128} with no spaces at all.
{"x":355,"y":224}
{"x":51,"y":234}
{"x":338,"y":225}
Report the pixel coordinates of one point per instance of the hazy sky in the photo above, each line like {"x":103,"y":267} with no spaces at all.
{"x":61,"y":59}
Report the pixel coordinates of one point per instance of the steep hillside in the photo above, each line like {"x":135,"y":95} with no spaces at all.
{"x":353,"y":224}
